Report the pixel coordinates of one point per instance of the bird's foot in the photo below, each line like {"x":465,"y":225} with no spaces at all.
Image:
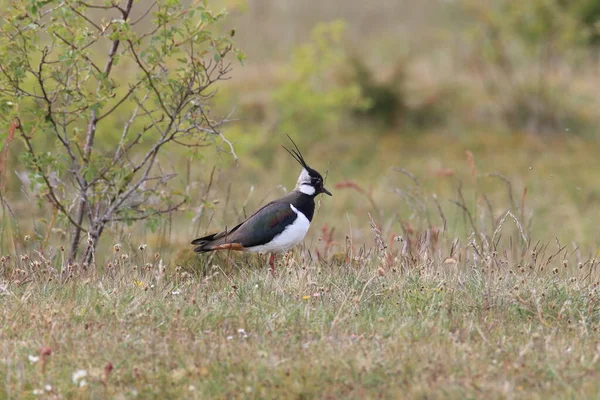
{"x":272,"y":263}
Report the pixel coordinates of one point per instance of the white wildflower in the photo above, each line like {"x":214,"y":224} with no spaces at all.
{"x":79,"y":377}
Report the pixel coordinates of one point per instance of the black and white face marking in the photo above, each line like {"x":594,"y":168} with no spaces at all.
{"x":305,"y":183}
{"x":310,"y":182}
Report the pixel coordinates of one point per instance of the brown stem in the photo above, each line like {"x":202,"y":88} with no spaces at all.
{"x":90,"y":250}
{"x":89,"y":144}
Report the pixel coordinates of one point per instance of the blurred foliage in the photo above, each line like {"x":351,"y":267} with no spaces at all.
{"x":520,"y":51}
{"x":393,"y":104}
{"x":540,"y":23}
{"x":386,"y":100}
{"x":312,"y":97}
{"x":525,"y":66}
{"x":588,"y":13}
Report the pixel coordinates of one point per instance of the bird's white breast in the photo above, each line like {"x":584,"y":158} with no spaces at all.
{"x":291,"y":236}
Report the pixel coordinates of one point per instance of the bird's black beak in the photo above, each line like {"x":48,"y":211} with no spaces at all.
{"x":323,"y":190}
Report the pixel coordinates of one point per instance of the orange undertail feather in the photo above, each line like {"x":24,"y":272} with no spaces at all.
{"x":210,"y":245}
{"x":216,"y":241}
{"x":229,"y":246}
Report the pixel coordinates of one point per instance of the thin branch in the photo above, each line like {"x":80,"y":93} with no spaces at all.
{"x":96,"y":6}
{"x":123,"y":99}
{"x":141,"y":17}
{"x":218,"y":133}
{"x":171,"y":208}
{"x":86,"y":18}
{"x":148,"y":161}
{"x":89,"y":60}
{"x":190,"y":145}
{"x":38,"y":167}
{"x":50,"y":116}
{"x":126,"y":130}
{"x":149,"y":77}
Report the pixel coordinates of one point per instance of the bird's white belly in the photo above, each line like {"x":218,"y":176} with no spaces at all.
{"x":291,"y":236}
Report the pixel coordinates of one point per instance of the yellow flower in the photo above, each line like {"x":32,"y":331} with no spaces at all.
{"x":305,"y":297}
{"x":138,"y":283}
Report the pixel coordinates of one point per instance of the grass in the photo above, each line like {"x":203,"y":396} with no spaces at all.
{"x":311,"y":331}
{"x":421,"y":315}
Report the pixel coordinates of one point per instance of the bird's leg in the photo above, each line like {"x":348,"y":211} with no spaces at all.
{"x":272,"y":263}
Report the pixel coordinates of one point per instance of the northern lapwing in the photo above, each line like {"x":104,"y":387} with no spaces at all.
{"x":279,"y":225}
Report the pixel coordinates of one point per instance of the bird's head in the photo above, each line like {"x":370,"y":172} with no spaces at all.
{"x":310,"y":181}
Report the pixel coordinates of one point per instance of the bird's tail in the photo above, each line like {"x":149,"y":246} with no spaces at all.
{"x":216,"y":241}
{"x":204,"y":244}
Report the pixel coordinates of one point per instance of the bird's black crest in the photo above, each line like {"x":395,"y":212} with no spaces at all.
{"x":295,"y":152}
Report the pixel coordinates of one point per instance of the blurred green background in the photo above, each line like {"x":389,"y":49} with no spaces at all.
{"x":405,"y":101}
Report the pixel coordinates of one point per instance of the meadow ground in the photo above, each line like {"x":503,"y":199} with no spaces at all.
{"x":401,"y":300}
{"x":414,"y":327}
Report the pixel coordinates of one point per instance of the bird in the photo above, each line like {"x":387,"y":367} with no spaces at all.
{"x":279,"y":225}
